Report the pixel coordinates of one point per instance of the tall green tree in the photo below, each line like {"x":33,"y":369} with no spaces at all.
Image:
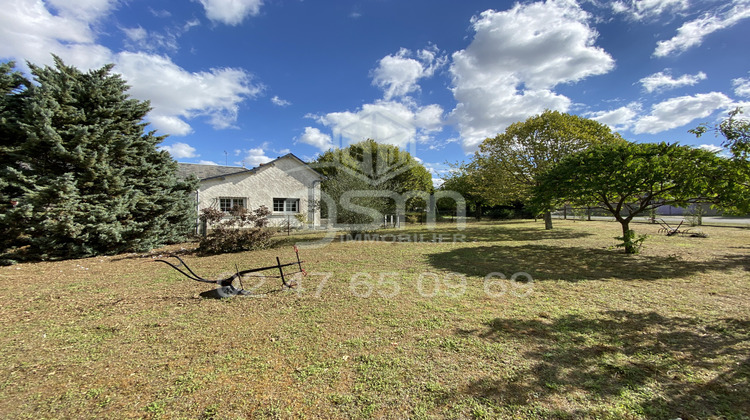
{"x":509,"y":163}
{"x":13,"y":90}
{"x":82,"y":177}
{"x":629,"y":179}
{"x":462,"y":179}
{"x":376,"y":163}
{"x":372,"y":170}
{"x":736,"y":133}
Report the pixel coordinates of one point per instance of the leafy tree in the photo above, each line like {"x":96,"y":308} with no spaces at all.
{"x":81,"y":177}
{"x":462,"y":179}
{"x":373,"y":171}
{"x":736,"y":133}
{"x":629,"y":179}
{"x":352,"y":200}
{"x":509,"y":163}
{"x":376,"y":163}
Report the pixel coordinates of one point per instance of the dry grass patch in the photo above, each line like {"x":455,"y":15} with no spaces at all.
{"x":663,"y":334}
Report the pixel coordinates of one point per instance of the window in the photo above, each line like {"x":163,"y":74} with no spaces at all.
{"x":286,"y":205}
{"x":226,"y":204}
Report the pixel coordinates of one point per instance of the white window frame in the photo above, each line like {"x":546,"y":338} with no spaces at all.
{"x":233,"y":201}
{"x":287,"y":206}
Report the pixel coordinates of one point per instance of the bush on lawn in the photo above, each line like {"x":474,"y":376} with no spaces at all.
{"x":241,"y":230}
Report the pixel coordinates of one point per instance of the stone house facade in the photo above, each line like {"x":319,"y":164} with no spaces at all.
{"x":286,"y":185}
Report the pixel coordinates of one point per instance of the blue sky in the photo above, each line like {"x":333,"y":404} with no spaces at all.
{"x":245,"y":81}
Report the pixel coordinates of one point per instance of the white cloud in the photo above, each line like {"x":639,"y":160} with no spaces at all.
{"x":398,"y":74}
{"x":617,"y":119}
{"x":316,"y":138}
{"x":139,"y":38}
{"x":169,"y":125}
{"x":177,"y":94}
{"x":691,"y":33}
{"x":390,"y":122}
{"x":280,"y":102}
{"x":254,"y":157}
{"x":645,"y":9}
{"x":160,"y":13}
{"x":676,"y":112}
{"x":741,"y":86}
{"x":207,"y":162}
{"x":507,"y":72}
{"x":180,"y":150}
{"x":231,"y":12}
{"x":83,"y":10}
{"x":711,"y":148}
{"x":663,"y":80}
{"x":30,"y":31}
{"x":429,"y":118}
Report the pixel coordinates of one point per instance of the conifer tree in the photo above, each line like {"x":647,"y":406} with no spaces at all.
{"x":82,"y":177}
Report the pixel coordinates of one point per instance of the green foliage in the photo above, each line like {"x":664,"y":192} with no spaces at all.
{"x":464,"y":179}
{"x":241,"y":230}
{"x":507,"y":165}
{"x":362,"y":212}
{"x":736,"y":133}
{"x":377,"y":164}
{"x":372,"y":171}
{"x":631,"y":241}
{"x":629,"y":179}
{"x":80,"y":175}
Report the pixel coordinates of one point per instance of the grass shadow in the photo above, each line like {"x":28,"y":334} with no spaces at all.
{"x":664,"y":367}
{"x":506,"y":231}
{"x":545,"y":262}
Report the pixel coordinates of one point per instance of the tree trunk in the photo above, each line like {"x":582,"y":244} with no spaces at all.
{"x":548,"y":220}
{"x":627,"y":240}
{"x":478,"y":212}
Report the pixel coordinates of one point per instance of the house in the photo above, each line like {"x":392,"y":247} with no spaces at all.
{"x":287,"y":186}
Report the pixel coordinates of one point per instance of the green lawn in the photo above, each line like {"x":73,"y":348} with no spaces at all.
{"x":383,"y":329}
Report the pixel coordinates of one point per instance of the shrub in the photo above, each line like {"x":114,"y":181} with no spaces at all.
{"x":243,"y":230}
{"x":631,"y":242}
{"x":301,"y":218}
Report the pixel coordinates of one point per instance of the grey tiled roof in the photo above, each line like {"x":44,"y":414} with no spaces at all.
{"x":207,"y":171}
{"x":212,"y":171}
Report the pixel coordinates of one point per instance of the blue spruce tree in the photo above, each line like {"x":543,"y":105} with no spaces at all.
{"x":80,"y":176}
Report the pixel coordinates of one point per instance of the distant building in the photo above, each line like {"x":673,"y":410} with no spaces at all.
{"x":286,"y":185}
{"x":704,"y":209}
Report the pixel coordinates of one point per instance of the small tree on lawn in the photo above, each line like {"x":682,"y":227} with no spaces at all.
{"x":629,"y":179}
